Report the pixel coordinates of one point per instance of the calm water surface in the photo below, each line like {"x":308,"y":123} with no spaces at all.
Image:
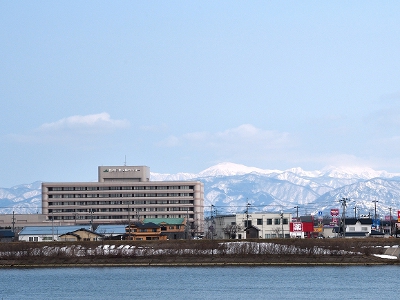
{"x":361,"y":282}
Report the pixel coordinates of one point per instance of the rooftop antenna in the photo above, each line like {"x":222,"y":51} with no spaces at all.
{"x":125,"y":161}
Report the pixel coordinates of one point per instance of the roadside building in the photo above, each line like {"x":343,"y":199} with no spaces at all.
{"x":18,"y":221}
{"x":303,"y":227}
{"x":174,"y":229}
{"x":255,"y":225}
{"x":138,"y":231}
{"x":46,"y":233}
{"x":6,"y":235}
{"x":81,"y":234}
{"x":354,"y":228}
{"x":122,"y":194}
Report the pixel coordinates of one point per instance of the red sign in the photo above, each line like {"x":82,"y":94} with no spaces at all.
{"x":297,"y":226}
{"x":334,"y":212}
{"x":398,"y":216}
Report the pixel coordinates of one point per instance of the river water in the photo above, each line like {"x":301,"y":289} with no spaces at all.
{"x":353,"y":282}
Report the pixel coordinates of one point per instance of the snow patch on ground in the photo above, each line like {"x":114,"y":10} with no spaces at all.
{"x":385,"y":256}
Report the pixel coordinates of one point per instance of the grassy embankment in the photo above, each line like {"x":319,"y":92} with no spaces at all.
{"x":197,"y":252}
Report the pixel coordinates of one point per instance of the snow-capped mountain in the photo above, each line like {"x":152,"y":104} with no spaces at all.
{"x":229,"y":187}
{"x":23,"y":198}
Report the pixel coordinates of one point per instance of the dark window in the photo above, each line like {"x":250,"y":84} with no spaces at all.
{"x":259,"y":221}
{"x":247,"y":223}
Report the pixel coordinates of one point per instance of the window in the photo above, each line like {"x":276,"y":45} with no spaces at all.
{"x":259,"y":221}
{"x":285,"y":221}
{"x":277,"y":221}
{"x":247,"y":223}
{"x":269,"y":221}
{"x":352,"y":229}
{"x":364,"y":229}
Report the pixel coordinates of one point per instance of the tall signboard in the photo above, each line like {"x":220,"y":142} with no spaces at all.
{"x":398,"y":216}
{"x":335,"y":215}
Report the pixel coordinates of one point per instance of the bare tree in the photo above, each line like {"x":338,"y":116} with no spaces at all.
{"x":232,"y":230}
{"x":276,"y":230}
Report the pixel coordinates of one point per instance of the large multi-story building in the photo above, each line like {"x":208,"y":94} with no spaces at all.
{"x":124,"y":193}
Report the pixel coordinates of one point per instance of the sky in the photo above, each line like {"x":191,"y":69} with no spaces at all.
{"x":180,"y":86}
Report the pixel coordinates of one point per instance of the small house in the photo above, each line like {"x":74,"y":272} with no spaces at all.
{"x":81,"y":234}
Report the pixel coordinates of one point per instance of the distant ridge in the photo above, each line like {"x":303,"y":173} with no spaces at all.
{"x":229,"y":187}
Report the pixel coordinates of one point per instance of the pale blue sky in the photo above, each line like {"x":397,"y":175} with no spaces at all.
{"x":182,"y":85}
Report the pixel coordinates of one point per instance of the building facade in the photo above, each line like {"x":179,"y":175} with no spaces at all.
{"x":46,"y":233}
{"x":242,"y":226}
{"x":123,"y":194}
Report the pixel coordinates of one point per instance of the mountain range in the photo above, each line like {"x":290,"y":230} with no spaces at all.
{"x":231,"y":188}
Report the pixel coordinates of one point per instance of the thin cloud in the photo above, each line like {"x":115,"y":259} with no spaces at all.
{"x":243,"y":137}
{"x":96,"y":121}
{"x":71,"y":128}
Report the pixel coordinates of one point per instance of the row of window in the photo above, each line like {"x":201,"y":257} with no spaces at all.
{"x":118,"y":217}
{"x":121,"y":195}
{"x":138,"y":202}
{"x":142,"y":230}
{"x":276,"y":221}
{"x":351,"y":228}
{"x":106,"y":188}
{"x":133,"y":211}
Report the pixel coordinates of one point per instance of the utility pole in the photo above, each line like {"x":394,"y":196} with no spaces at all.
{"x":283,"y":233}
{"x":344,"y":203}
{"x":212,"y":222}
{"x":390,"y":221}
{"x":91,"y":218}
{"x":137,"y":214}
{"x":13,"y":223}
{"x":129,"y":220}
{"x":187,"y":224}
{"x":247,"y":214}
{"x":212,"y":229}
{"x":297,"y":213}
{"x":355,"y":212}
{"x":375,"y":221}
{"x":52,"y":226}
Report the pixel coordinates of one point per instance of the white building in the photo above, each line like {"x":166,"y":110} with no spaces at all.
{"x":124,"y":193}
{"x":259,"y":225}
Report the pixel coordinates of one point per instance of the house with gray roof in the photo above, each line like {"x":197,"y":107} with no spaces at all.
{"x":47,"y":233}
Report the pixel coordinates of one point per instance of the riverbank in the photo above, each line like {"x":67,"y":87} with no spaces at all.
{"x":282,"y":252}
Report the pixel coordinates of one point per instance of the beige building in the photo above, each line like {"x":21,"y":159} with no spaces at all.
{"x":123,"y":193}
{"x":19,"y":221}
{"x":255,"y":225}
